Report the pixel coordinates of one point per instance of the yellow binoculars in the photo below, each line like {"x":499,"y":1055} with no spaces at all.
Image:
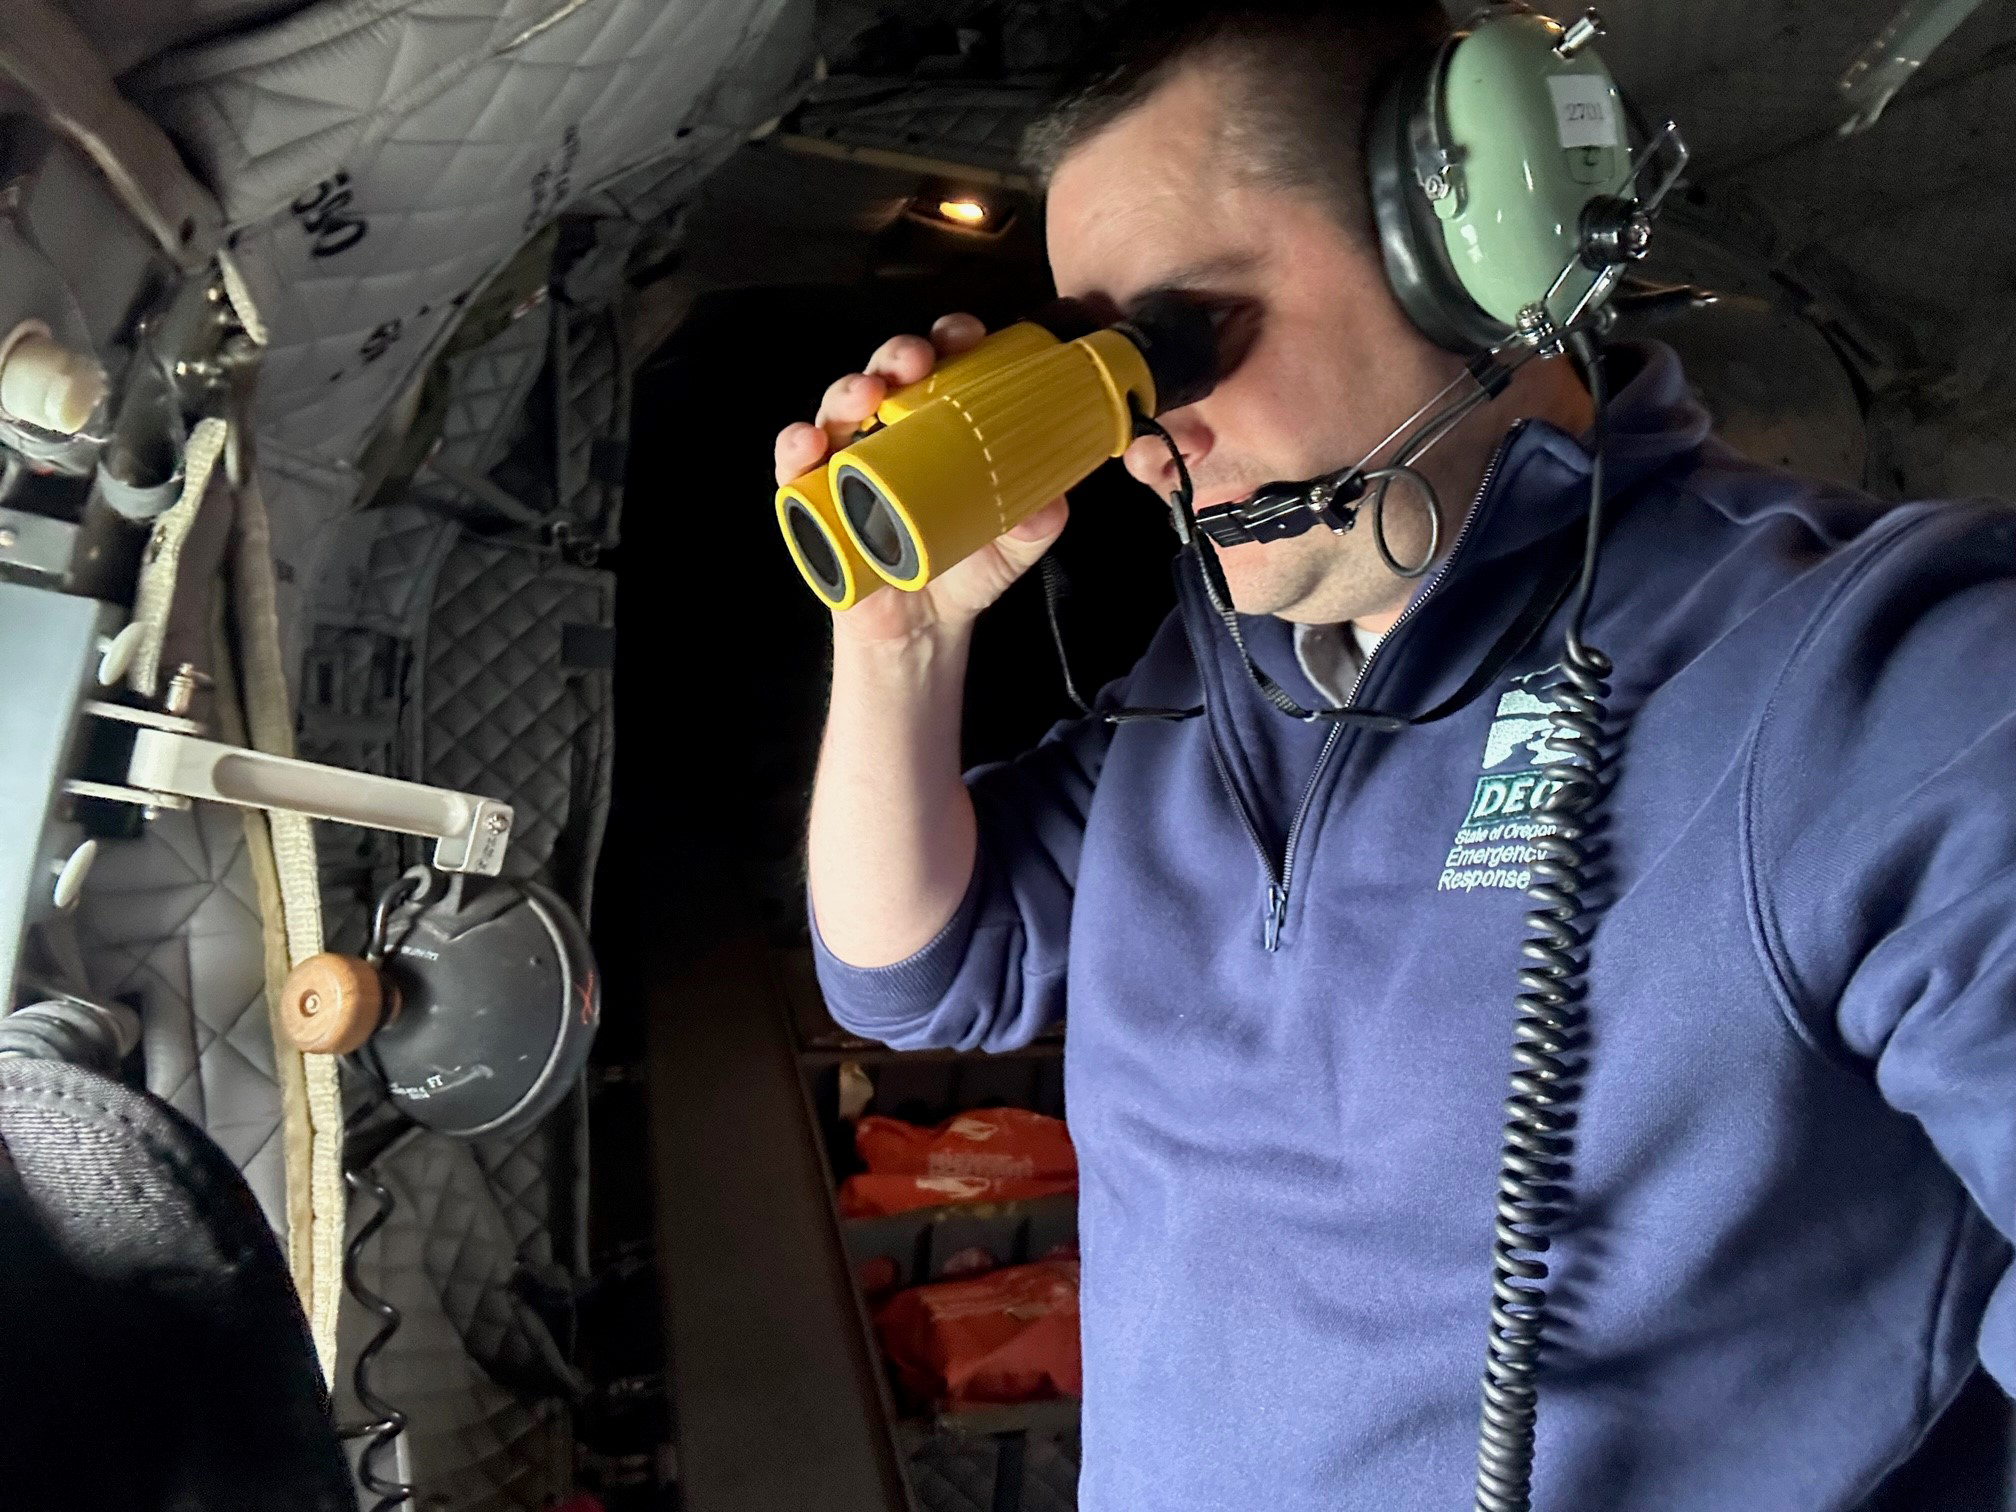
{"x":962,"y":457}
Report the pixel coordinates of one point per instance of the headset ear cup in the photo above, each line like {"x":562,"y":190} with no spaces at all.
{"x":1410,"y":237}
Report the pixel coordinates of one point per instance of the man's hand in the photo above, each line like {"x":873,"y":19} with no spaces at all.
{"x":953,"y":600}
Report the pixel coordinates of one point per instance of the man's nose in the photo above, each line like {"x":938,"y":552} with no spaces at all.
{"x":1148,"y":457}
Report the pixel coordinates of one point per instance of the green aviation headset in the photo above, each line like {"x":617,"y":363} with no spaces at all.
{"x":1499,"y":169}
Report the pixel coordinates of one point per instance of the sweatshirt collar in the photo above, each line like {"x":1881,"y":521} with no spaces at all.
{"x":1543,"y":475}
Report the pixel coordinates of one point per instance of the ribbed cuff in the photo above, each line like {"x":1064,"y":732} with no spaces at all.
{"x":906,"y":990}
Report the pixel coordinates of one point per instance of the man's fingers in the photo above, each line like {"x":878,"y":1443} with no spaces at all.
{"x":953,"y":334}
{"x":847,"y":403}
{"x":903,"y":360}
{"x":850,"y":401}
{"x":800,"y":448}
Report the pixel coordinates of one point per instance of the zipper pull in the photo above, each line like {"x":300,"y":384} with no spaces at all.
{"x":1277,"y":915}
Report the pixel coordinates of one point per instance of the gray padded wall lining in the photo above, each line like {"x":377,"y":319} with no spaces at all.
{"x":378,"y":162}
{"x":377,"y":586}
{"x":170,"y":924}
{"x":592,"y":372}
{"x":1029,"y":1471}
{"x":368,"y":214}
{"x":503,"y":713}
{"x":443,"y":657}
{"x":491,"y":385}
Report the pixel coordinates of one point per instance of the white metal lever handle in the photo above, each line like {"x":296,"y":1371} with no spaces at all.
{"x":470,"y":832}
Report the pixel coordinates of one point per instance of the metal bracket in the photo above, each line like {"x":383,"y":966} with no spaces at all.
{"x":171,"y":764}
{"x":45,"y":55}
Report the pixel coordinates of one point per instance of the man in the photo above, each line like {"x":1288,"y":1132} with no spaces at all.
{"x":1289,"y":955}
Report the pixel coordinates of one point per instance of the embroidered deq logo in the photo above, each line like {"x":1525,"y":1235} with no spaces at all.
{"x":1496,"y":844}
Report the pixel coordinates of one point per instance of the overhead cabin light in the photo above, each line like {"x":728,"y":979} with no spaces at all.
{"x":966,"y":212}
{"x":954,"y":209}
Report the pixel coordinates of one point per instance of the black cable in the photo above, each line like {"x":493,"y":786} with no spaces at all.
{"x":1184,"y":516}
{"x":387,"y":1421}
{"x":1055,"y":586}
{"x":1550,"y":1032}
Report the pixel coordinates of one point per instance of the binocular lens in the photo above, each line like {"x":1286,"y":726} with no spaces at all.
{"x":876,"y":526}
{"x":820,"y":559}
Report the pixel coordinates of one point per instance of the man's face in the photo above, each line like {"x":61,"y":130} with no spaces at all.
{"x":1325,"y":363}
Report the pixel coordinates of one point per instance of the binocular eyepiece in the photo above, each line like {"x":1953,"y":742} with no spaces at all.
{"x":960,"y":458}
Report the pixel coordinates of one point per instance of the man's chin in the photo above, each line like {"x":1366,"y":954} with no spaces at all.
{"x":1258,"y":587}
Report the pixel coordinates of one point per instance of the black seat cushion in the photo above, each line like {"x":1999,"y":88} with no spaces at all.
{"x":156,"y":1356}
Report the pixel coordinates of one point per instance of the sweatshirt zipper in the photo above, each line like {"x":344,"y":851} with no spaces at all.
{"x":1281,"y":879}
{"x":1275,"y":890}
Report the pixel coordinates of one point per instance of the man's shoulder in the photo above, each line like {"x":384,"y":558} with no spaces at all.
{"x":1769,"y":532}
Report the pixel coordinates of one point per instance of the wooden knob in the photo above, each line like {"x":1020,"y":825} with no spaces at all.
{"x":331,"y":1004}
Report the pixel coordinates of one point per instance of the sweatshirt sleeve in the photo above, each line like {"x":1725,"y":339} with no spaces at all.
{"x":1882,"y":796}
{"x":993,"y":978}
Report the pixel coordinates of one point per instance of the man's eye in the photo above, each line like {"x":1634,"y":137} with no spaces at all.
{"x":1100,"y":307}
{"x":1237,"y":323}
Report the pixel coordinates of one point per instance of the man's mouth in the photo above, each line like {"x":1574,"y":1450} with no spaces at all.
{"x":1219,"y":498}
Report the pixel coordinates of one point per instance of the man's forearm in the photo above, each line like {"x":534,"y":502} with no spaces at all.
{"x":892,"y":839}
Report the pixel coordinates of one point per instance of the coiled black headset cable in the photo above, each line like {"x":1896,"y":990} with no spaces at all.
{"x":1550,"y":1032}
{"x":1550,"y":1027}
{"x":386,"y":1422}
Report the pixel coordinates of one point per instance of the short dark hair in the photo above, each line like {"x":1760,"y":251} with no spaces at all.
{"x":1306,"y":72}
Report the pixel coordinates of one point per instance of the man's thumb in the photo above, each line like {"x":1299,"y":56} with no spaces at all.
{"x":1029,"y":540}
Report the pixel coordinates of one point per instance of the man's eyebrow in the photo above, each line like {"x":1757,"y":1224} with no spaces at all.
{"x":1205,"y":271}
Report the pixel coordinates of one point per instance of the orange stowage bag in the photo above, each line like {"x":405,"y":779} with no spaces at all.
{"x":996,"y":1142}
{"x":1007,"y":1336}
{"x":876,"y":1196}
{"x":989,"y":1155}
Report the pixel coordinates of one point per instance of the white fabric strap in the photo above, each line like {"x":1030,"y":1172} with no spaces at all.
{"x":241,"y":297}
{"x":156,"y":598}
{"x":311,"y":1094}
{"x":316,"y":1252}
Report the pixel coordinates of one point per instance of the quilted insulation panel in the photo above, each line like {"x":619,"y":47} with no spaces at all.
{"x":381,"y":160}
{"x":378,"y":160}
{"x":170,"y":925}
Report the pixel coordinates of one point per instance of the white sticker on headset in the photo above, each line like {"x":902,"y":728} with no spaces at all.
{"x":1583,"y":111}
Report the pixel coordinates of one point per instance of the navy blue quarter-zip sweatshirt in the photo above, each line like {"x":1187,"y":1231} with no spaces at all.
{"x":1288,"y":952}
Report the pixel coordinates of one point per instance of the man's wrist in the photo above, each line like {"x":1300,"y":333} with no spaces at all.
{"x":922,"y":656}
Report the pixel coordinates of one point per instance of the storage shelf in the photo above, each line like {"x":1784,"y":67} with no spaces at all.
{"x":1011,"y":1458}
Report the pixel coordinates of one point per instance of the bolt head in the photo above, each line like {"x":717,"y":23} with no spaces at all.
{"x":498,"y":823}
{"x":1635,"y":240}
{"x":8,"y":539}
